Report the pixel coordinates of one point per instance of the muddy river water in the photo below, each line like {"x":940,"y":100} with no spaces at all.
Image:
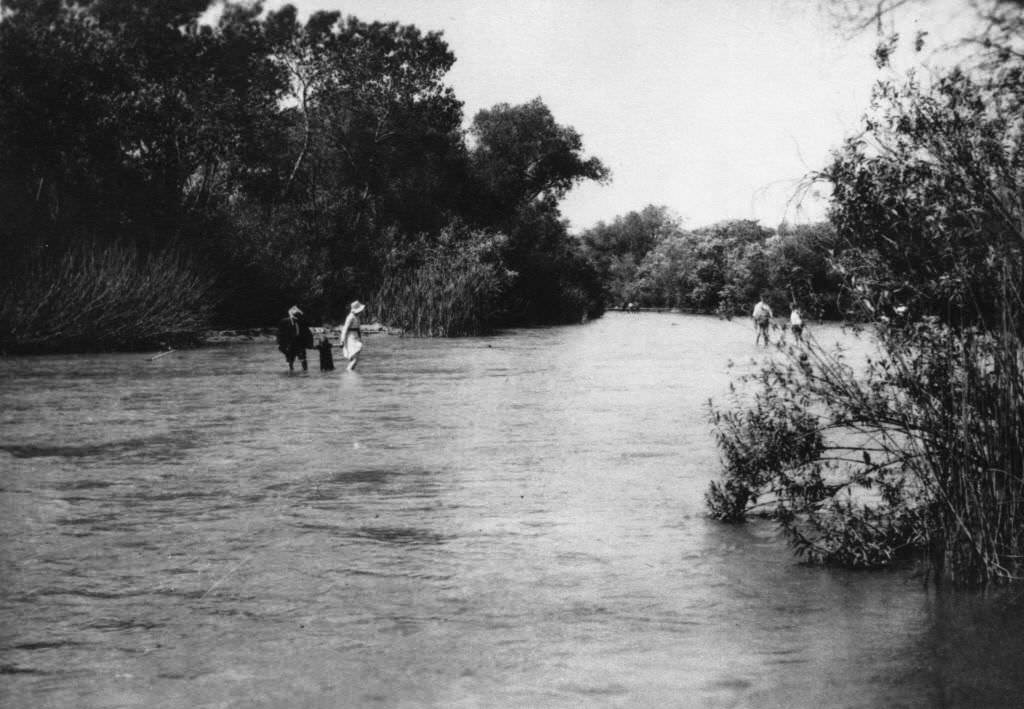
{"x":504,"y":521}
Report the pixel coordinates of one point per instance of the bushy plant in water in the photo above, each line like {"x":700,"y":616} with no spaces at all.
{"x":447,"y":288}
{"x":920,"y":449}
{"x":916,"y":452}
{"x":104,"y":298}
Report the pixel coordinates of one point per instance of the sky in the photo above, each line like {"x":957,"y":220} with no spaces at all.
{"x":715,"y":109}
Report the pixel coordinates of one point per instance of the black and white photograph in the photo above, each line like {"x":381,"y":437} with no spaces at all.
{"x":511,"y":354}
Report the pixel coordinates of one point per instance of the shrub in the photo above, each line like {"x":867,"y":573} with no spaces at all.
{"x":103,"y":298}
{"x":922,"y":451}
{"x":448,"y":288}
{"x":923,"y":448}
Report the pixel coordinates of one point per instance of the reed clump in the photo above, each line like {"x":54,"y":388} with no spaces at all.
{"x":447,"y":288}
{"x":101,"y":298}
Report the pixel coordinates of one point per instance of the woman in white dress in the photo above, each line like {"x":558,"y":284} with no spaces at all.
{"x":351,"y":337}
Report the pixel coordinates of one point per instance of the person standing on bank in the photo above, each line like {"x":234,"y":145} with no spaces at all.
{"x":351,"y":336}
{"x":762,"y":319}
{"x":294,"y":337}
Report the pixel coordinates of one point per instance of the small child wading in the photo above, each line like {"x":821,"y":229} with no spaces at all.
{"x":326,"y":358}
{"x":351,"y":337}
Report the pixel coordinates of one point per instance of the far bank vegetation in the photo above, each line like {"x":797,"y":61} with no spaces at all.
{"x":649,"y":259}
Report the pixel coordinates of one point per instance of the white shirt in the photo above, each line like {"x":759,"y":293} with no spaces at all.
{"x":762,"y":311}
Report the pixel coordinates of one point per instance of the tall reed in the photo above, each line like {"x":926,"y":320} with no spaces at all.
{"x":104,"y":298}
{"x":449,"y":288}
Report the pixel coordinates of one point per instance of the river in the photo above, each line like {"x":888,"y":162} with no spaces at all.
{"x":504,"y":521}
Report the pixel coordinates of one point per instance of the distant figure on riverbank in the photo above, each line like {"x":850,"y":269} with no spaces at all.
{"x":326,"y":357}
{"x":294,"y":337}
{"x":351,"y":335}
{"x":796,"y":323}
{"x":762,"y":319}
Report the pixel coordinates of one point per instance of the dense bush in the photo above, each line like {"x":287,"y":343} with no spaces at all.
{"x":103,"y":298}
{"x":452,"y":287}
{"x":921,"y":449}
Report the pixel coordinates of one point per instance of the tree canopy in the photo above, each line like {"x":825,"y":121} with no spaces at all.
{"x":298,"y":159}
{"x":917,"y":452}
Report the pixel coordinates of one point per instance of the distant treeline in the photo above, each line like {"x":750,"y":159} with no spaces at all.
{"x":649,"y":259}
{"x":261,"y":161}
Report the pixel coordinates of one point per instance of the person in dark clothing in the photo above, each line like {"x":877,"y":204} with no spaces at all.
{"x":326,"y":358}
{"x":294,"y":337}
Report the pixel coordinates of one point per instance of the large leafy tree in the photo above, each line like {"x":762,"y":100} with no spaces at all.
{"x":800,"y":269}
{"x":374,"y":121}
{"x":372,"y":155}
{"x":728,"y":265}
{"x":928,"y":206}
{"x":60,"y":144}
{"x":522,"y":164}
{"x":619,"y":248}
{"x":521,"y":155}
{"x":119,"y":119}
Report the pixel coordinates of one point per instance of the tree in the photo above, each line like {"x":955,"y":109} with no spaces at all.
{"x":124,"y":119}
{"x":302,"y":54}
{"x":371,"y":154}
{"x":520,"y":155}
{"x":522,"y":163}
{"x":721,"y":268}
{"x":378,"y":128}
{"x":921,"y":450}
{"x":927,"y":208}
{"x":55,"y":79}
{"x":728,"y":268}
{"x":618,"y":248}
{"x":666,"y":276}
{"x":298,"y":156}
{"x":800,"y":269}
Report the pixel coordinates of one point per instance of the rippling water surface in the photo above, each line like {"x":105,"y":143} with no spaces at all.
{"x":511,"y":521}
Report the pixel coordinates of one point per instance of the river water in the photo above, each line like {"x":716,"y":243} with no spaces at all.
{"x":509,"y":521}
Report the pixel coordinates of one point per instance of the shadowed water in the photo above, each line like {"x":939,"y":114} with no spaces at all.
{"x":512,"y":521}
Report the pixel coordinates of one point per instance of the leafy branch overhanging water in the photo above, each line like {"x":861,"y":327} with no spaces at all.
{"x":920,"y":450}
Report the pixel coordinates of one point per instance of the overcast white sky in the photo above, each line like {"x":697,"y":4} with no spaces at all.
{"x":713,"y":108}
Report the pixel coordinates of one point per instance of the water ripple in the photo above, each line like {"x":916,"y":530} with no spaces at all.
{"x":514,"y":520}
